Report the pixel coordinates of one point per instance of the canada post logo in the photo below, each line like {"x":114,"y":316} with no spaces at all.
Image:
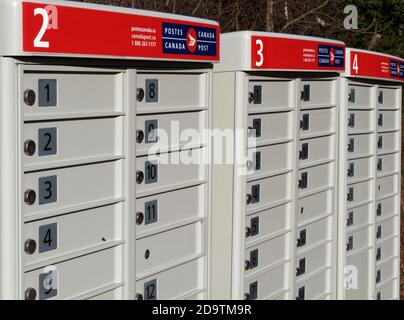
{"x":396,"y":69}
{"x":331,"y":56}
{"x":184,"y":39}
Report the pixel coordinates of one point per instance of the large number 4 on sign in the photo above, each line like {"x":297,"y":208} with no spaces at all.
{"x":49,"y":16}
{"x":355,"y":65}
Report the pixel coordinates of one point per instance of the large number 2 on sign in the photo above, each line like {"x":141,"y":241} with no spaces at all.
{"x":260,"y":53}
{"x":38,"y":43}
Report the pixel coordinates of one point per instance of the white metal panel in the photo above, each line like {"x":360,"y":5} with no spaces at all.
{"x":360,"y":121}
{"x":388,"y":120}
{"x":78,"y":94}
{"x":315,"y":233}
{"x":359,"y":169}
{"x":361,"y":145}
{"x":172,"y":283}
{"x":388,"y":163}
{"x":168,"y":249}
{"x":314,"y":207}
{"x":79,"y":277}
{"x":360,"y":96}
{"x":387,"y":186}
{"x":193,"y":92}
{"x":170,"y":211}
{"x":74,"y":188}
{"x":389,"y":291}
{"x":314,"y":288}
{"x":386,"y":249}
{"x":316,"y":150}
{"x":167,"y":132}
{"x":390,"y":98}
{"x":93,"y":229}
{"x":322,"y":93}
{"x":311,"y":261}
{"x":316,"y":178}
{"x":359,"y":268}
{"x":388,"y":142}
{"x":359,"y":216}
{"x":320,"y":122}
{"x":78,"y":141}
{"x":358,"y":240}
{"x":277,"y":128}
{"x":275,"y":95}
{"x":387,"y":207}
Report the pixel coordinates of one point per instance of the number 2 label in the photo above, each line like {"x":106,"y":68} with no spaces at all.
{"x":38,"y":43}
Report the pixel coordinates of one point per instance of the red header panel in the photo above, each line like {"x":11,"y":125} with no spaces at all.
{"x":78,"y":31}
{"x":373,"y":65}
{"x":296,"y":54}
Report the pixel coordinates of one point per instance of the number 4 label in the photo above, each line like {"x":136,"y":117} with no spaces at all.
{"x":49,"y":16}
{"x":355,"y":65}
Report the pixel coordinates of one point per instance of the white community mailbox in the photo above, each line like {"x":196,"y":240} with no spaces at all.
{"x":93,"y":203}
{"x":369,"y":181}
{"x":274,"y":210}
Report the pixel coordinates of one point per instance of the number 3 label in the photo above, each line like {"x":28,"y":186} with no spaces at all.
{"x":260,"y":48}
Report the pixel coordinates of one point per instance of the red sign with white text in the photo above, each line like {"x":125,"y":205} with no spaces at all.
{"x":373,"y":65}
{"x":81,"y":31}
{"x":296,"y":54}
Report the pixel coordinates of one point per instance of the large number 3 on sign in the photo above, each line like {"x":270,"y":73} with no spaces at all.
{"x":49,"y":21}
{"x":260,"y":48}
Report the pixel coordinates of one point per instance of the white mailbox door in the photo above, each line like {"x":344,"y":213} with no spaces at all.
{"x":172,"y":188}
{"x":71,"y":198}
{"x":369,"y":189}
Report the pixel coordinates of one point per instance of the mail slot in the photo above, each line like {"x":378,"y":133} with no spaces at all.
{"x":388,"y":142}
{"x":158,"y":89}
{"x":387,"y":186}
{"x":390,"y":98}
{"x":388,"y":163}
{"x":77,"y":278}
{"x":169,"y":132}
{"x":388,"y":120}
{"x":360,"y":169}
{"x":322,"y":93}
{"x":174,"y":283}
{"x":360,"y":121}
{"x":72,"y":95}
{"x":313,"y":260}
{"x":70,"y":189}
{"x":316,"y":178}
{"x":317,"y":150}
{"x":358,"y":276}
{"x":274,"y":95}
{"x":257,"y":288}
{"x":267,"y":192}
{"x":268,"y":223}
{"x":359,"y":216}
{"x":167,"y":210}
{"x":360,"y":145}
{"x":314,"y":233}
{"x":53,"y":238}
{"x":358,"y":240}
{"x":386,"y":228}
{"x":266,"y":254}
{"x":168,"y":249}
{"x":387,"y":207}
{"x":317,"y":122}
{"x":261,"y":161}
{"x":360,"y":96}
{"x":169,"y":171}
{"x":72,"y":142}
{"x":314,"y":207}
{"x":358,"y":193}
{"x":277,"y":128}
{"x":315,"y":288}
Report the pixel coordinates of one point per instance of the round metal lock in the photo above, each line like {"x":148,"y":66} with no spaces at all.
{"x":249,"y":165}
{"x":139,"y":136}
{"x":139,"y":177}
{"x":247,"y":232}
{"x":147,"y":254}
{"x":250,"y":132}
{"x":139,"y":94}
{"x":30,"y":294}
{"x":247,"y":264}
{"x":139,"y":296}
{"x":29,"y":197}
{"x":139,"y":218}
{"x":30,"y":246}
{"x":246,"y":296}
{"x":249,"y":198}
{"x":29,"y":147}
{"x":29,"y":97}
{"x":250,"y":97}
